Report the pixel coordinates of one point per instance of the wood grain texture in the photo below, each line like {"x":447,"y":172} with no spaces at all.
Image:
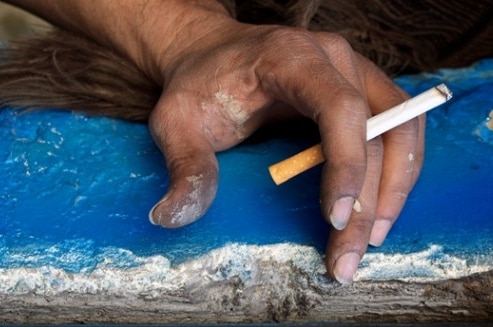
{"x":296,"y":299}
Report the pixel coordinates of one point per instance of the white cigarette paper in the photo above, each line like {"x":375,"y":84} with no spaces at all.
{"x":376,"y":125}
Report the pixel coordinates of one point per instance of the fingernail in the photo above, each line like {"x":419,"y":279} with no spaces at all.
{"x":174,"y":215}
{"x":346,"y":267}
{"x":341,"y":210}
{"x":151,"y":213}
{"x":379,"y":232}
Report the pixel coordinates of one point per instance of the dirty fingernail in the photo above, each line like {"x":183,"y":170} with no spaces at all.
{"x":151,"y":213}
{"x":346,"y":267}
{"x":341,"y":210}
{"x":154,"y":216}
{"x":379,"y":232}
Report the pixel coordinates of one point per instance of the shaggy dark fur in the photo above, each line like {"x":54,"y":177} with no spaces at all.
{"x":398,"y":35}
{"x":62,"y":70}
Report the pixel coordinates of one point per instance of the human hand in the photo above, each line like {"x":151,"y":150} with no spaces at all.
{"x":223,"y":79}
{"x":237,"y":77}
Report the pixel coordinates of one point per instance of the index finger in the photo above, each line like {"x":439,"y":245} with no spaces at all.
{"x":329,"y":90}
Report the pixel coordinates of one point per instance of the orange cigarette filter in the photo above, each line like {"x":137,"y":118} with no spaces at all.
{"x":295,"y":165}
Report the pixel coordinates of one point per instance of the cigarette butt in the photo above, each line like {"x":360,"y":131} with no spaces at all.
{"x":376,"y":125}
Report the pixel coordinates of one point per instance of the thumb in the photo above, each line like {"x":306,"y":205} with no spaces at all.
{"x":191,"y":192}
{"x":193,"y":172}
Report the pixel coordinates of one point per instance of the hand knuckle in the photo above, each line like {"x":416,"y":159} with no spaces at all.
{"x":288,"y":37}
{"x":335,"y":41}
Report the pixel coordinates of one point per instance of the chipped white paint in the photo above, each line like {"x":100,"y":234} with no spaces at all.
{"x":234,"y":111}
{"x":253,"y":265}
{"x":233,"y":107}
{"x":188,"y":210}
{"x":357,"y":206}
{"x":489,"y":121}
{"x":192,"y":208}
{"x":410,"y":157}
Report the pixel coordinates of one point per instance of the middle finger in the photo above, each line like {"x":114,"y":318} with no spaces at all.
{"x":346,"y":247}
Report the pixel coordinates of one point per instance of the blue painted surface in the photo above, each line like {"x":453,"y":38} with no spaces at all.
{"x":74,"y":187}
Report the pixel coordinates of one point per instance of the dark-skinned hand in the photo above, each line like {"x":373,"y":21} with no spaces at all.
{"x":222,"y":80}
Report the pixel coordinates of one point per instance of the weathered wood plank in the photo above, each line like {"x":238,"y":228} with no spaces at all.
{"x":297,"y":299}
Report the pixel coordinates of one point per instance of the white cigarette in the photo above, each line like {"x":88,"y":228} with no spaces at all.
{"x":376,"y":125}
